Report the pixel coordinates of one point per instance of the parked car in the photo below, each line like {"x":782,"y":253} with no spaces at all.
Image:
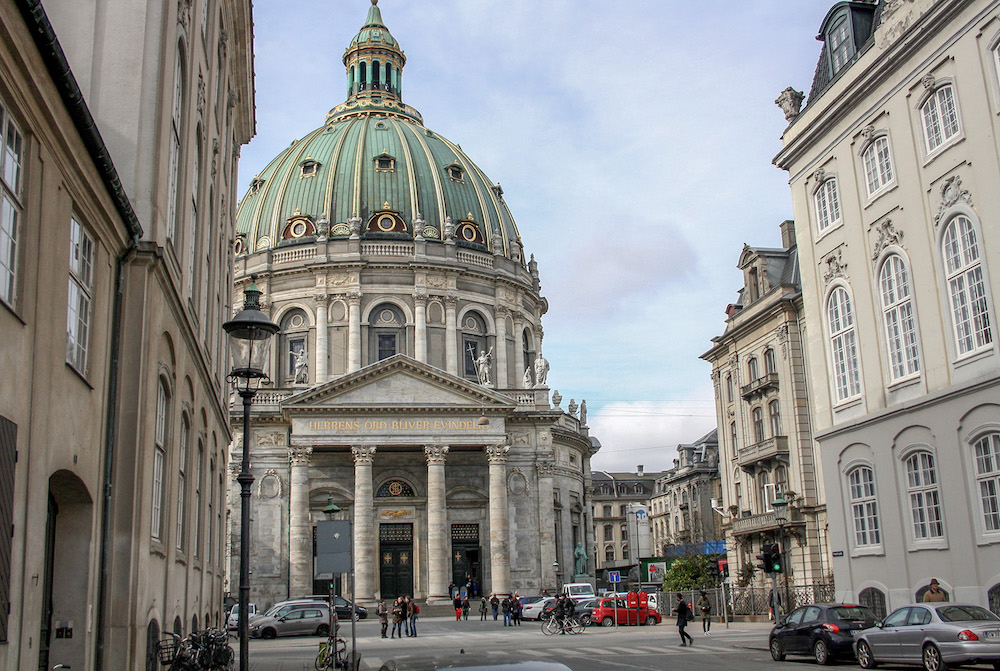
{"x":233,"y":621}
{"x":608,"y":609}
{"x":585,"y":609}
{"x":343,"y":606}
{"x":823,"y":630}
{"x":525,"y":600}
{"x":315,"y":620}
{"x":285,"y":607}
{"x":935,"y":635}
{"x":533,"y":611}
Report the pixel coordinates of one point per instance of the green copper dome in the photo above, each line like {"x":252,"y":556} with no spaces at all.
{"x":374,"y":171}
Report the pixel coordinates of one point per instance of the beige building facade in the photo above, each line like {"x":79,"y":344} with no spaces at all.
{"x":765,"y":442}
{"x":893,"y":167}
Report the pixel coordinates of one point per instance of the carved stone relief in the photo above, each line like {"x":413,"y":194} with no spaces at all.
{"x":885,"y":235}
{"x":517,"y":483}
{"x":952,"y":193}
{"x":269,"y":486}
{"x":835,"y":267}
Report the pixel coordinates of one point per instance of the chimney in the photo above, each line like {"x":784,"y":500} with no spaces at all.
{"x":638,"y":469}
{"x":787,"y":233}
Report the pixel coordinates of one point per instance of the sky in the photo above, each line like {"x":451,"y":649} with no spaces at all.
{"x":633,"y":140}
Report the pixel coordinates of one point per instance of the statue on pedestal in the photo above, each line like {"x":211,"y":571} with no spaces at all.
{"x":580,"y":555}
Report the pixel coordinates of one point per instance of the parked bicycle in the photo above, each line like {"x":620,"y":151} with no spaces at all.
{"x":570,"y":624}
{"x":332,"y":654}
{"x":206,"y":650}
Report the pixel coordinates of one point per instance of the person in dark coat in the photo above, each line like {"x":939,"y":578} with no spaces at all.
{"x":483,"y":608}
{"x":457,"y":602}
{"x":397,"y":618}
{"x":383,"y":617}
{"x":684,"y":615}
{"x":465,"y":607}
{"x":495,"y":605}
{"x":505,"y":606}
{"x":405,"y":604}
{"x":515,"y":610}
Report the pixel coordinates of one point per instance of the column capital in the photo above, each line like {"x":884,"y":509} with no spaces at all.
{"x":451,"y":301}
{"x":363,"y":454}
{"x":497,"y":454}
{"x":354,"y":297}
{"x":435,"y":453}
{"x":299,"y":455}
{"x":502,"y":311}
{"x":321,"y":299}
{"x":546,"y":468}
{"x":420,"y":297}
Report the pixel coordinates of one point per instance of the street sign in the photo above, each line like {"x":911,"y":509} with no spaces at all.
{"x":333,"y":548}
{"x":614,"y":576}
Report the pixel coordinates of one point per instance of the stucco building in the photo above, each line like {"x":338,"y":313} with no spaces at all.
{"x":766,"y":448}
{"x":622,"y":534}
{"x":893,"y":167}
{"x":408,"y":382}
{"x":122,"y":122}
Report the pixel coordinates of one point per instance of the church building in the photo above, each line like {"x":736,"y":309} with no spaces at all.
{"x":408,"y":383}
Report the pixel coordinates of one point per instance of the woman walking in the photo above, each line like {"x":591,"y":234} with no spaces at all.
{"x":684,"y":615}
{"x":483,"y":608}
{"x":465,"y":607}
{"x":705,"y":609}
{"x":397,"y":618}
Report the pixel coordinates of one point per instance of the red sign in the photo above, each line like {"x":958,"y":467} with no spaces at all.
{"x":724,"y":566}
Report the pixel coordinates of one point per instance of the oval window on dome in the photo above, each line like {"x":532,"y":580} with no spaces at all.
{"x":239,"y":246}
{"x":386,"y":223}
{"x":298,"y":229}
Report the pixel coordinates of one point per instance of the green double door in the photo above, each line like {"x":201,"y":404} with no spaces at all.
{"x":395,"y":560}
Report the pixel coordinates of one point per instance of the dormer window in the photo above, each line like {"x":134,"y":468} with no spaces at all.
{"x":753,"y":284}
{"x":309,"y":167}
{"x":456,"y":173}
{"x":840,"y":44}
{"x":385,"y":163}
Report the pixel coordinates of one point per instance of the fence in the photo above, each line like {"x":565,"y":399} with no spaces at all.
{"x":744,"y":601}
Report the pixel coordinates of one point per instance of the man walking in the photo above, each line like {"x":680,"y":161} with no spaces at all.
{"x":495,"y":605}
{"x":506,"y":611}
{"x":684,"y":615}
{"x":405,"y":606}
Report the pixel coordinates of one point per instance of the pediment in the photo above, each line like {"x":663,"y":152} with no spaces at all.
{"x":398,"y":382}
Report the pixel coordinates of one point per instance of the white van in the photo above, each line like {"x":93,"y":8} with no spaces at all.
{"x":578,"y":590}
{"x":233,"y":621}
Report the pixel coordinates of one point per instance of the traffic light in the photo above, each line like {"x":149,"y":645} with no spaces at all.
{"x":766,"y":558}
{"x":777,"y":560}
{"x":713,"y":571}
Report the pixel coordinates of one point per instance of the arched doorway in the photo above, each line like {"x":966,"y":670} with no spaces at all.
{"x":62,"y":636}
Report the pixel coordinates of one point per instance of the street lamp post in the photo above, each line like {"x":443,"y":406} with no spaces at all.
{"x":249,"y":341}
{"x":780,"y":506}
{"x":555,"y":572}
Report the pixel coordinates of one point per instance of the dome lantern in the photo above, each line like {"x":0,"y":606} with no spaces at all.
{"x":374,"y":63}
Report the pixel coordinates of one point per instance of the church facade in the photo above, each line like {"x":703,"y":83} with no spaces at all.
{"x":408,"y":384}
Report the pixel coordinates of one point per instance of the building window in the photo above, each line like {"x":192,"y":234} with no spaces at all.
{"x":841,"y":45}
{"x":182,"y":444}
{"x":473,"y":342}
{"x":729,"y":388}
{"x":966,"y":287}
{"x":874,"y":600}
{"x":878,"y":165}
{"x":622,"y":510}
{"x":209,"y":527}
{"x":769,"y":364}
{"x":940,"y":118}
{"x":159,"y":458}
{"x":11,"y":167}
{"x":193,"y":224}
{"x":827,"y":205}
{"x":843,"y":344}
{"x":988,"y":479}
{"x":81,"y":285}
{"x":774,"y":412}
{"x":758,"y":424}
{"x":753,"y":285}
{"x":864,"y":507}
{"x":766,"y":491}
{"x":925,"y":504}
{"x":625,"y":556}
{"x":176,"y":131}
{"x":897,"y":309}
{"x":732,"y":435}
{"x":752,"y":372}
{"x":198,"y":465}
{"x":388,"y":334}
{"x":294,"y":331}
{"x":607,"y":509}
{"x":609,"y":532}
{"x":8,"y":458}
{"x":780,"y":480}
{"x":609,"y":553}
{"x":738,"y":495}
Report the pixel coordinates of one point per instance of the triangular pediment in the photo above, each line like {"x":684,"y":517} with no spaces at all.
{"x":398,"y":382}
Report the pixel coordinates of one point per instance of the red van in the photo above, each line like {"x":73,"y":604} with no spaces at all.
{"x":630,"y":609}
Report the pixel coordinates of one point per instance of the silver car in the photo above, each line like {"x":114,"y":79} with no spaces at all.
{"x":934,"y":635}
{"x":303,"y":621}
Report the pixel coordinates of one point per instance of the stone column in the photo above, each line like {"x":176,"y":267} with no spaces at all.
{"x":500,"y":348}
{"x":420,"y":326}
{"x":322,"y":339}
{"x":451,"y":336}
{"x":519,"y":361}
{"x":438,"y":561}
{"x":546,"y":523}
{"x":353,"y":331}
{"x":499,"y":536}
{"x":364,"y":524}
{"x":299,"y":523}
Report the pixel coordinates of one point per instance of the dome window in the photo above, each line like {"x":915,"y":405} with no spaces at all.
{"x":386,"y":222}
{"x":309,"y":167}
{"x":385,"y":163}
{"x":298,"y":227}
{"x":239,"y":245}
{"x":455,"y":172}
{"x":468,"y":231}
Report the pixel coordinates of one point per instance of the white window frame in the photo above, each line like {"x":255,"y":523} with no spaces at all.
{"x":159,"y":459}
{"x":898,"y":318}
{"x":827,"y":202}
{"x":924,"y":496}
{"x":844,"y":362}
{"x":198,"y":474}
{"x":864,"y":507}
{"x":757,"y":420}
{"x":11,"y":206}
{"x":774,"y":417}
{"x":939,"y":118}
{"x":182,"y":445}
{"x":986,"y":456}
{"x":970,"y":312}
{"x":878,"y":165}
{"x":843,"y":26}
{"x":176,"y":131}
{"x":79,"y":304}
{"x":753,"y":370}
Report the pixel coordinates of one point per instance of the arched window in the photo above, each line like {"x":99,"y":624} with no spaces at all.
{"x":294,"y":332}
{"x":874,"y":600}
{"x":198,"y":471}
{"x":864,"y":507}
{"x":840,"y":43}
{"x":774,"y":412}
{"x":473,"y":342}
{"x":363,"y":83}
{"x":993,"y":598}
{"x":966,"y":287}
{"x":152,"y":646}
{"x":625,"y":556}
{"x":193,"y":227}
{"x":732,"y":436}
{"x":376,"y":78}
{"x":925,"y":502}
{"x":987,"y":451}
{"x":878,"y":165}
{"x":758,"y":424}
{"x":182,"y":444}
{"x":159,"y":458}
{"x":529,"y":351}
{"x":194,"y":622}
{"x":827,"y":202}
{"x":387,"y":332}
{"x":609,"y":553}
{"x":843,"y":344}
{"x":394,"y":489}
{"x":940,"y":118}
{"x":752,"y":372}
{"x":897,"y":311}
{"x":176,"y":132}
{"x":769,"y":363}
{"x":609,"y":532}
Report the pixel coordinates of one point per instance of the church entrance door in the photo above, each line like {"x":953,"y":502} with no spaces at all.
{"x":395,"y":560}
{"x":466,"y":557}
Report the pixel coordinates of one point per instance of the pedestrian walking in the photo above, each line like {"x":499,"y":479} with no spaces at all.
{"x":414,"y":611}
{"x":483,"y":607}
{"x":495,"y":605}
{"x":457,"y":602}
{"x":505,"y":607}
{"x":684,"y":615}
{"x":405,"y":604}
{"x":383,"y":617}
{"x":705,"y":609}
{"x":397,"y":618}
{"x":465,"y":608}
{"x":515,"y":611}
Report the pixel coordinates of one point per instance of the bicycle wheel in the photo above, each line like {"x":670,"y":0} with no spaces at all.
{"x":575,"y":626}
{"x":551,"y":626}
{"x":325,"y":658}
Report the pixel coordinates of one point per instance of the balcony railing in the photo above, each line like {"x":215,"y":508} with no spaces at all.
{"x":775,"y":447}
{"x":760,"y":386}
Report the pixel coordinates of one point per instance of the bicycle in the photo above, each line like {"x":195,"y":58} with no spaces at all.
{"x":206,"y":650}
{"x":332,"y":654}
{"x":563,"y":623}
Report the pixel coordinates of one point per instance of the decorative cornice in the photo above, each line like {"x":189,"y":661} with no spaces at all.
{"x":781,"y":334}
{"x":363,"y":454}
{"x":952,"y":193}
{"x":299,"y":455}
{"x":435,"y":453}
{"x":497,"y":454}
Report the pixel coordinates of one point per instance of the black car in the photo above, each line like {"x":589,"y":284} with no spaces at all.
{"x":824,"y":631}
{"x":342,"y":605}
